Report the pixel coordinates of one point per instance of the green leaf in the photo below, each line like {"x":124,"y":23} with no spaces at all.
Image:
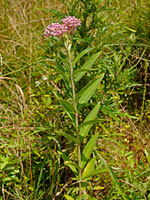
{"x":81,"y":55}
{"x":62,"y":55}
{"x":87,"y":65}
{"x":60,"y":66}
{"x":98,"y":188}
{"x":94,"y":173}
{"x":67,"y":64}
{"x":40,"y":177}
{"x":62,"y":74}
{"x":89,"y":123}
{"x":113,"y":176}
{"x":68,"y":136}
{"x":88,"y":149}
{"x":91,"y":198}
{"x":68,"y":108}
{"x":68,"y":197}
{"x":64,"y":71}
{"x":83,"y":89}
{"x":130,"y":29}
{"x":4,"y":161}
{"x":70,"y":163}
{"x":82,"y":70}
{"x":67,"y":105}
{"x":91,"y":116}
{"x":89,"y":92}
{"x":89,"y":168}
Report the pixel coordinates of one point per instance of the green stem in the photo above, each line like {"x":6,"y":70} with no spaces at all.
{"x":144,"y":92}
{"x":77,"y":124}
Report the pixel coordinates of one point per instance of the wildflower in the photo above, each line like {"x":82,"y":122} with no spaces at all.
{"x":55,"y":29}
{"x":72,"y":23}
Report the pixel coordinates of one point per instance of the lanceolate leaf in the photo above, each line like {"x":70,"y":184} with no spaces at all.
{"x":62,"y":74}
{"x":81,"y":55}
{"x":88,"y":93}
{"x":82,"y":70}
{"x":91,"y":116}
{"x":67,"y":64}
{"x":83,"y":89}
{"x":88,"y":149}
{"x":89,"y":168}
{"x":67,"y":104}
{"x":69,"y":109}
{"x":70,"y":163}
{"x":68,"y":136}
{"x":87,"y":65}
{"x":60,"y":67}
{"x":93,"y":173}
{"x":89,"y":122}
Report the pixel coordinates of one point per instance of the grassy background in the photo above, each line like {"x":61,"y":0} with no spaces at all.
{"x":29,"y":163}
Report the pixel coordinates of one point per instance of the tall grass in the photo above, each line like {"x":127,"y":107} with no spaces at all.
{"x":30,"y":165}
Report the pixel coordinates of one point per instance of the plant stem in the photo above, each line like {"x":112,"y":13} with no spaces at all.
{"x":77,"y":124}
{"x":144,"y":93}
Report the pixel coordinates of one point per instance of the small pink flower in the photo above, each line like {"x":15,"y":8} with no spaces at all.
{"x":55,"y":29}
{"x":71,"y":22}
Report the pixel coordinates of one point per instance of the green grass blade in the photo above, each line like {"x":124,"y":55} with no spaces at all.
{"x":113,"y":176}
{"x":40,"y":177}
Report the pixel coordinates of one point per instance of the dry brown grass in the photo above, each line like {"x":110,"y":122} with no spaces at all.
{"x":22,"y":23}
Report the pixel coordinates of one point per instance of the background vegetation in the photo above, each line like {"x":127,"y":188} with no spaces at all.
{"x":31,"y":165}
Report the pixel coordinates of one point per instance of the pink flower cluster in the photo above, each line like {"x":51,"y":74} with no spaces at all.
{"x":71,"y":22}
{"x":55,"y":29}
{"x":69,"y":25}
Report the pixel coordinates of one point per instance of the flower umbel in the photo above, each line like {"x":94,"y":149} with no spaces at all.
{"x":70,"y":24}
{"x":55,"y":29}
